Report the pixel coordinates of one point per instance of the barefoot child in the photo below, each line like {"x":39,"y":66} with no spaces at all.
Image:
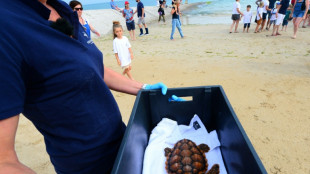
{"x":273,"y":17}
{"x":259,"y":16}
{"x":247,"y":18}
{"x":122,"y":49}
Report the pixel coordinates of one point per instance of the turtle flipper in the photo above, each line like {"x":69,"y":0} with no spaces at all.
{"x":204,"y":147}
{"x":215,"y":169}
{"x":167,"y":151}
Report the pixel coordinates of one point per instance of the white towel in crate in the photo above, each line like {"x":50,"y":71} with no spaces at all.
{"x":168,"y":132}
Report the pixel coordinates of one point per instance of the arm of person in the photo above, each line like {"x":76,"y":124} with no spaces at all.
{"x":278,"y":8}
{"x":120,"y":83}
{"x":257,"y":2}
{"x":9,"y":162}
{"x":117,"y":58}
{"x":173,"y":10}
{"x":93,"y":30}
{"x":239,"y":12}
{"x":131,"y":54}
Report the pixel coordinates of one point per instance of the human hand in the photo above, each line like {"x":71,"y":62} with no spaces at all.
{"x":98,"y":34}
{"x":176,"y":98}
{"x":119,"y":62}
{"x":14,"y":167}
{"x":131,"y":56}
{"x":159,"y":85}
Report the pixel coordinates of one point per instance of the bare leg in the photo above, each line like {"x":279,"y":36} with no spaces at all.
{"x":232,"y":26}
{"x":268,"y":24}
{"x":129,"y":74}
{"x":243,"y":29}
{"x":247,"y":30}
{"x":236,"y":27}
{"x":263,"y":25}
{"x":275,"y":30}
{"x":133,"y":35}
{"x":130,"y":33}
{"x":296,"y":22}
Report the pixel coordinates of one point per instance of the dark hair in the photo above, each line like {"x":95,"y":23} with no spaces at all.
{"x":74,"y":3}
{"x":116,"y":24}
{"x":63,"y":26}
{"x":248,"y":6}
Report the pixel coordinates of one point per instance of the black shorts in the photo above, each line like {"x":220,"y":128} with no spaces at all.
{"x":264,"y":16}
{"x":285,"y":22}
{"x":235,"y":17}
{"x":130,"y":25}
{"x":247,"y":25}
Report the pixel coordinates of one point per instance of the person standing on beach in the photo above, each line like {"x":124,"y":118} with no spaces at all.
{"x":77,"y":6}
{"x":259,"y":16}
{"x":161,"y":13}
{"x":175,"y":12}
{"x":273,"y":18}
{"x":141,"y":18}
{"x":59,"y":83}
{"x":271,"y":6}
{"x":287,"y":17}
{"x":281,"y":11}
{"x":130,"y":22}
{"x":265,"y":12}
{"x":236,"y":16}
{"x":114,"y":6}
{"x":299,"y":13}
{"x":247,"y":18}
{"x":122,"y":49}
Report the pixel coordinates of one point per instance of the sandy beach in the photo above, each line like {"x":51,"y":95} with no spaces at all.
{"x":266,"y":80}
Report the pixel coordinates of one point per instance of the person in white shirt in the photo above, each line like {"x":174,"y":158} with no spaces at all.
{"x":259,"y":16}
{"x":122,"y":49}
{"x":247,"y":18}
{"x":273,"y":17}
{"x":236,"y":16}
{"x":265,"y":10}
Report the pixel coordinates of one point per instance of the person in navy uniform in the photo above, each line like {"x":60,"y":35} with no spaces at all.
{"x":58,"y":81}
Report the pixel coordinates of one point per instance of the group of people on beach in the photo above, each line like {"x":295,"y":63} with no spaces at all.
{"x":272,"y":13}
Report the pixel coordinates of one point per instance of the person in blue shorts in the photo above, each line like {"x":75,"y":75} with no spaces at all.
{"x":299,"y":13}
{"x":58,"y":81}
{"x":130,"y":22}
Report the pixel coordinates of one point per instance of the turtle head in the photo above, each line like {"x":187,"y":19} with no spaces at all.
{"x":167,"y":151}
{"x":204,"y":147}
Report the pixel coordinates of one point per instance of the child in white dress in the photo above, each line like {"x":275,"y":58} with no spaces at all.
{"x":122,"y":49}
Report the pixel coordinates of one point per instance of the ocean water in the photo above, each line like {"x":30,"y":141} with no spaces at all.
{"x":207,"y":12}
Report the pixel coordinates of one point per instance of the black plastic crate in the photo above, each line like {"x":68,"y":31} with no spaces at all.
{"x":210,"y":104}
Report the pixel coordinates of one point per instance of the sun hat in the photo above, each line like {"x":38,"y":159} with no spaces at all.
{"x":126,"y":2}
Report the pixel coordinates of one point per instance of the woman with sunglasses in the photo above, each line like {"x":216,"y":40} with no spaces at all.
{"x":77,"y":6}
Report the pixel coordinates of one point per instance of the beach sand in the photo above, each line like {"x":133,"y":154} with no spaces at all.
{"x":266,"y":80}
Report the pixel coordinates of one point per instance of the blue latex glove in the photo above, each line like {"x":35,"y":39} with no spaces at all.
{"x":159,"y":85}
{"x":176,"y":98}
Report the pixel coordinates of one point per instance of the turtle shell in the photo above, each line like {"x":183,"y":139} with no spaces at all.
{"x":186,"y":158}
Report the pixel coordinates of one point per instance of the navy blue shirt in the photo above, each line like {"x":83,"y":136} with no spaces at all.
{"x":271,"y":4}
{"x":57,"y":82}
{"x":139,"y":8}
{"x":284,"y":6}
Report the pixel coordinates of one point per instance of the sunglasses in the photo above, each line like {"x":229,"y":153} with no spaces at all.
{"x":77,"y":9}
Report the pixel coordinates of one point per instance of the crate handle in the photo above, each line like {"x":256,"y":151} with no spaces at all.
{"x":175,"y":98}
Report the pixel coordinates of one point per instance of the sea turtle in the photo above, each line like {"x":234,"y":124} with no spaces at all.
{"x":188,"y":158}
